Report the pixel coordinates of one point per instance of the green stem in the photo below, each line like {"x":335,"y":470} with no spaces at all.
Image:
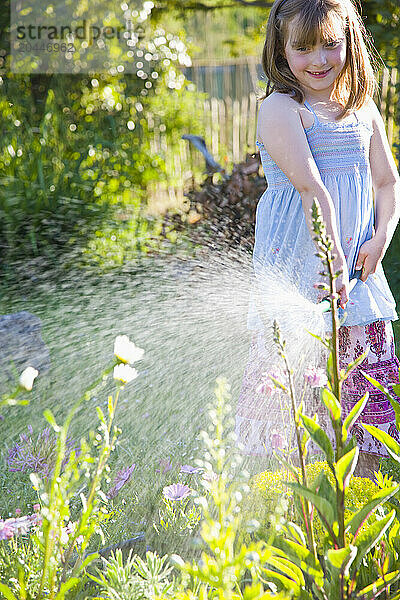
{"x":307,"y":511}
{"x":335,"y":351}
{"x":49,"y":542}
{"x":337,"y":384}
{"x":100,"y":466}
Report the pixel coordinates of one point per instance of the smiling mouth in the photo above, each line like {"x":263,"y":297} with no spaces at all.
{"x":318,"y":73}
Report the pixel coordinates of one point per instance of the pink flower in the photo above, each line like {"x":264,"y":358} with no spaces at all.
{"x":267,"y":386}
{"x":316,"y":377}
{"x":190,"y":470}
{"x":177,"y":491}
{"x":17,"y":526}
{"x":121,"y":478}
{"x":6,"y":531}
{"x":165,"y":465}
{"x":36,"y":508}
{"x":18,"y":512}
{"x":278,"y":441}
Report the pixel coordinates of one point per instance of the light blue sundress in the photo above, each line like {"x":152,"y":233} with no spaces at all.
{"x":282,"y":238}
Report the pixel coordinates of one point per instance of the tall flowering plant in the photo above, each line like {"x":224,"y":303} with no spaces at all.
{"x":61,"y":544}
{"x":294,"y":565}
{"x":227,"y":570}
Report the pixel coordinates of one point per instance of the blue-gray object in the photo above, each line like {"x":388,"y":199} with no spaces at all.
{"x":325,"y":305}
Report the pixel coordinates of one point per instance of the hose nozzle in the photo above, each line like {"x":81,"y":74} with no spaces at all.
{"x":325,"y":304}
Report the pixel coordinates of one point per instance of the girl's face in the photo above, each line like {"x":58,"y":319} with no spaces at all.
{"x":317,"y":67}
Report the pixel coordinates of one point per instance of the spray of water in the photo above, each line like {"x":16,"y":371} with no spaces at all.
{"x":190,"y":316}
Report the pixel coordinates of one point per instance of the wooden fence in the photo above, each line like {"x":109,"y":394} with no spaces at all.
{"x":229,"y":128}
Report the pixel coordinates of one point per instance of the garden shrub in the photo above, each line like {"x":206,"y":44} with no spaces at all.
{"x":270,"y":486}
{"x":77,"y":156}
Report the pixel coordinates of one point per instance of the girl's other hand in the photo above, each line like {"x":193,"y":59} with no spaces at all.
{"x":370,"y":255}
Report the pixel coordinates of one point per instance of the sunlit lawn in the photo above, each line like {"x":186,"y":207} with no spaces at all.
{"x":160,"y":413}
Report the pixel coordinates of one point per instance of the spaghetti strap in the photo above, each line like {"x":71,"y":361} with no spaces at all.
{"x":312,"y":110}
{"x":307,"y":105}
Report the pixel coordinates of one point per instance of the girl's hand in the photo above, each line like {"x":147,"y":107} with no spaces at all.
{"x":370,"y":255}
{"x":342,"y":285}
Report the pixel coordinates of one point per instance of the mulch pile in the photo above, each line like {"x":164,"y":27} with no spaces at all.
{"x":225,"y":210}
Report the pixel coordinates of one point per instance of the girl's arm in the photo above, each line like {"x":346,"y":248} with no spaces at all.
{"x":283,"y":135}
{"x":386,"y":186}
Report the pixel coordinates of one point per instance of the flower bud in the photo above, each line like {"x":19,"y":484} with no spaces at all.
{"x":27,"y":378}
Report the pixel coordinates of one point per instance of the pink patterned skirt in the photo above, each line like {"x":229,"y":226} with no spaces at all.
{"x":263,"y":415}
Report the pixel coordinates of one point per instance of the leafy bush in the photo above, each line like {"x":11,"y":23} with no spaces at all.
{"x":77,"y":154}
{"x":269,"y":486}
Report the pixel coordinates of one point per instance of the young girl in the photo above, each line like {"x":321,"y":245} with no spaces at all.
{"x":321,"y":136}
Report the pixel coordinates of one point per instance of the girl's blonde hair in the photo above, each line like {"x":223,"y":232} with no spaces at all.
{"x":357,"y":80}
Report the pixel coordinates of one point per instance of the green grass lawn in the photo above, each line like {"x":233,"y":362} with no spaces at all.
{"x":160,"y":413}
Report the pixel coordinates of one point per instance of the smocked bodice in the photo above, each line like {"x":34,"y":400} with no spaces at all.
{"x":337,"y":147}
{"x":283,"y":240}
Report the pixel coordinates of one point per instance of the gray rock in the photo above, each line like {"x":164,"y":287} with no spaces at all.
{"x":21,"y":345}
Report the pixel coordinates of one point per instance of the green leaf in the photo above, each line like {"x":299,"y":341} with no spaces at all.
{"x":342,"y":558}
{"x":378,"y":385}
{"x":390,"y":443}
{"x":100,"y":414}
{"x":394,"y":402}
{"x":295,"y":532}
{"x":368,"y":539}
{"x":379,"y":585}
{"x":319,"y":436}
{"x":329,"y":366}
{"x":323,"y":487}
{"x":332,"y":404}
{"x":396,"y":405}
{"x":90,"y":558}
{"x":356,"y":521}
{"x":305,"y":438}
{"x":13,"y":402}
{"x":289,"y":467}
{"x":278,"y":383}
{"x":283,"y":582}
{"x":290,"y":575}
{"x":48,"y":415}
{"x":67,"y":585}
{"x":353,"y":416}
{"x":289,"y":569}
{"x":351,"y":366}
{"x":345,"y":466}
{"x":350,"y":445}
{"x":395,"y":597}
{"x":300,"y":556}
{"x":323,"y":506}
{"x":4,"y":589}
{"x":318,"y":337}
{"x":250,"y":592}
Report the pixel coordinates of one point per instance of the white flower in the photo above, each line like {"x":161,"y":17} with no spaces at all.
{"x":125,"y":373}
{"x":126,"y":351}
{"x":27,"y":378}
